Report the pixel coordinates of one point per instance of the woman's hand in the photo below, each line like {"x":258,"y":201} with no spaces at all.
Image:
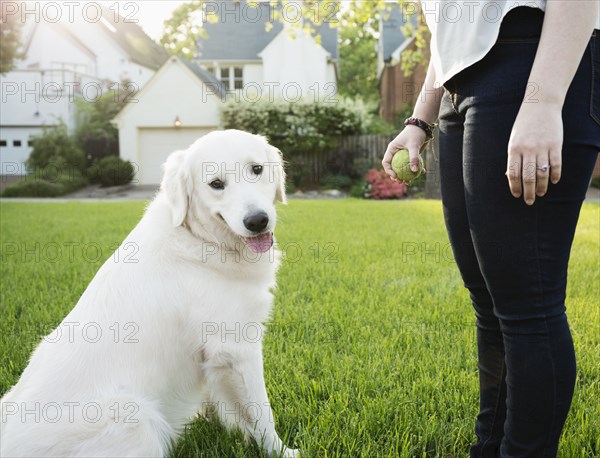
{"x":534,"y":150}
{"x":411,"y":138}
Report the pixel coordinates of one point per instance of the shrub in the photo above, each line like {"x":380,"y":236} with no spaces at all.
{"x":33,"y":188}
{"x":359,"y":189}
{"x":111,"y":171}
{"x":56,"y":148}
{"x":595,"y":182}
{"x":337,"y":182}
{"x":382,"y":187}
{"x":95,"y":134}
{"x":48,"y":182}
{"x":294,"y":127}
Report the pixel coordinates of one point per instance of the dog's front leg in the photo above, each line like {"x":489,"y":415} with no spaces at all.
{"x":242,"y":400}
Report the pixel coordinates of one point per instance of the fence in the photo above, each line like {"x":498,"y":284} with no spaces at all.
{"x":342,"y":160}
{"x":352,"y":157}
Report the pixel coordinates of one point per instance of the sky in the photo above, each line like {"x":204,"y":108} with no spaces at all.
{"x":149,"y":14}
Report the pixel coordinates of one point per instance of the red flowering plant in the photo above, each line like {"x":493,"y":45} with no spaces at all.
{"x":380,"y":186}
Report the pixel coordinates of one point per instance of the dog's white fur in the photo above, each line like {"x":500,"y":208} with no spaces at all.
{"x":179,"y":321}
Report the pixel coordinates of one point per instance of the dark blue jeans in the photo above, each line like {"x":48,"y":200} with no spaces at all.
{"x":512,"y":257}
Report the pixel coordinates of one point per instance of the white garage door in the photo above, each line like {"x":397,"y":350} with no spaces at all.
{"x":15,"y":148}
{"x":155,"y":145}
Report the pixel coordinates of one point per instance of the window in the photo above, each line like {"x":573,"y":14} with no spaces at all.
{"x":225,"y":77}
{"x":2,"y":142}
{"x":16,"y":142}
{"x":238,"y":78}
{"x":232,"y":77}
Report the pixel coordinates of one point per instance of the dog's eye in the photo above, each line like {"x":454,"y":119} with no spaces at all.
{"x":257,"y":169}
{"x":217,"y":184}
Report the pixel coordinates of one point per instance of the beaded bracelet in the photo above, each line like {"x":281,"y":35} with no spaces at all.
{"x":428,"y":128}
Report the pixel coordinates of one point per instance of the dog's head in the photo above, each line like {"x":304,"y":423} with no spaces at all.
{"x":227,"y":181}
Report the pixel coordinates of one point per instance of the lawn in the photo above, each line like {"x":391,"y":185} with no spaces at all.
{"x":371,"y":348}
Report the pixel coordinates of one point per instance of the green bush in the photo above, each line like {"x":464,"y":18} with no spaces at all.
{"x":56,"y":148}
{"x":359,"y":189}
{"x":595,"y":182}
{"x":94,"y":133}
{"x":56,"y":163}
{"x":111,"y":171}
{"x":337,"y":182}
{"x":295,"y":127}
{"x":48,"y":182}
{"x":33,"y":188}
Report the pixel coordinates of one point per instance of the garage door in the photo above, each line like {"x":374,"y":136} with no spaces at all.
{"x":155,"y":145}
{"x":15,"y":148}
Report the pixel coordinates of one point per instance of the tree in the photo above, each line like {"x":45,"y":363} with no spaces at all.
{"x":10,"y":32}
{"x":94,"y":117}
{"x":95,"y":133}
{"x":182,"y":30}
{"x":367,"y":14}
{"x":358,"y":58}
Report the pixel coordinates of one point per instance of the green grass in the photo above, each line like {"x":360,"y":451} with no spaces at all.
{"x":370,"y":353}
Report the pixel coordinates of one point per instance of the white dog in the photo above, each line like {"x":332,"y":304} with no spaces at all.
{"x":171,"y":325}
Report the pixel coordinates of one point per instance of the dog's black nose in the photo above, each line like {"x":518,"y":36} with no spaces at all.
{"x":256,"y":222}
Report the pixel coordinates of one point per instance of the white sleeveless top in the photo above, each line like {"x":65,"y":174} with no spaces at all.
{"x":462,"y":32}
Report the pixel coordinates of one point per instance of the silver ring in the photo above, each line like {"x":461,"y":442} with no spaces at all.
{"x":543,"y":168}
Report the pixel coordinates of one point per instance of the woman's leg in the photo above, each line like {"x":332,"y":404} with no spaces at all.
{"x":522,"y":251}
{"x":490,"y":421}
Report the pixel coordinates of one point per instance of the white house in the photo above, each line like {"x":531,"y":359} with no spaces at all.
{"x":73,"y":57}
{"x":177,"y":106}
{"x":251,"y":53}
{"x":238,"y":59}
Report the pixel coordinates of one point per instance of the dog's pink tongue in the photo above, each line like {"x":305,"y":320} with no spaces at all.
{"x":260,"y":243}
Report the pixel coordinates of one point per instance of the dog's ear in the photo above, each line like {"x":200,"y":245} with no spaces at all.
{"x":175,"y":186}
{"x":277,"y":172}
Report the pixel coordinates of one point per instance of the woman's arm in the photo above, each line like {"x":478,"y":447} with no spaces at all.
{"x":427,"y":108}
{"x":537,"y":135}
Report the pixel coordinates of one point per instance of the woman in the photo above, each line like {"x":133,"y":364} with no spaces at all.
{"x":521,"y":98}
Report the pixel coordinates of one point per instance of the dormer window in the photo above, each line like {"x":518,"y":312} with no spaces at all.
{"x":232,"y":77}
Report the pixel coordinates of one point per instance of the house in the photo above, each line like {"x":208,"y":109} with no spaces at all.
{"x":398,"y":91}
{"x":250,"y":51}
{"x":246,"y":55}
{"x":68,"y":57}
{"x":177,"y":106}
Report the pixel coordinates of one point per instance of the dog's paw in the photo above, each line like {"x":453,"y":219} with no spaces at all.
{"x":291,"y":453}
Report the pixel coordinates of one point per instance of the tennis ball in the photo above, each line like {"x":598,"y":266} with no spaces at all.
{"x":401,"y":166}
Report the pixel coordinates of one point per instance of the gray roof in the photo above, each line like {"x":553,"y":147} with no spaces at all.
{"x":140,"y":48}
{"x":240,"y":34}
{"x":391,"y":34}
{"x":207,"y":77}
{"x":134,"y":41}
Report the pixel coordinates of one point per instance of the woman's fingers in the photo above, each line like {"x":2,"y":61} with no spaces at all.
{"x":530,"y":175}
{"x":513,"y":173}
{"x":410,"y":138}
{"x":555,"y":161}
{"x":413,"y":154}
{"x":542,"y":176}
{"x":387,"y":160}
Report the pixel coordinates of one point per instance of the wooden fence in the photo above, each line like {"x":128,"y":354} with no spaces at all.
{"x":341,"y":160}
{"x":354,"y":155}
